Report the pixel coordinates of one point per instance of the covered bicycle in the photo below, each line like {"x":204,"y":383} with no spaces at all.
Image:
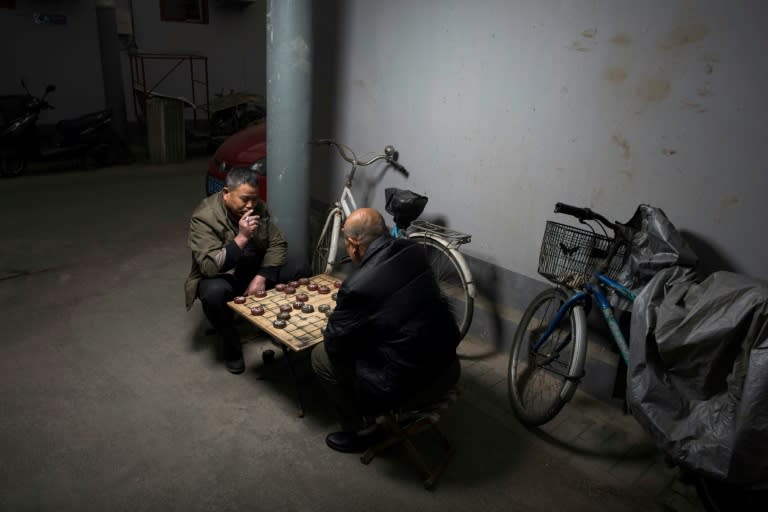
{"x":696,"y":379}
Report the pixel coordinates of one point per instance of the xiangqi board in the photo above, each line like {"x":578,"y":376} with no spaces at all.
{"x":302,"y":330}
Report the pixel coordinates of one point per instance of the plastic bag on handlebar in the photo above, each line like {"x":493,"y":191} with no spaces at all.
{"x":404,"y":205}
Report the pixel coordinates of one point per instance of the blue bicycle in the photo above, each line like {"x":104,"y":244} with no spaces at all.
{"x":548,"y":353}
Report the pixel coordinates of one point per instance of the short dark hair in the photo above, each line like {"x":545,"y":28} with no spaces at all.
{"x":241,"y":175}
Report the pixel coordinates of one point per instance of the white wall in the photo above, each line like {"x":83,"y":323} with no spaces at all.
{"x":499,"y":108}
{"x":502,"y":108}
{"x":68,"y":55}
{"x":233,"y":42}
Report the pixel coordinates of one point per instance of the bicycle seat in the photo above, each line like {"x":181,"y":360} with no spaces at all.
{"x":404,"y":205}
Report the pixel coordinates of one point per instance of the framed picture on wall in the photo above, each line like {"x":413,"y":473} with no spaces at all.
{"x":7,"y":4}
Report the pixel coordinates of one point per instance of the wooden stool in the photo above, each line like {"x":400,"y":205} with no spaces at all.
{"x":401,"y":426}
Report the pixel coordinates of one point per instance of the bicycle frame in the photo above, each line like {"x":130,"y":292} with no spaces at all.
{"x":593,"y":289}
{"x":341,"y":210}
{"x":347,"y":201}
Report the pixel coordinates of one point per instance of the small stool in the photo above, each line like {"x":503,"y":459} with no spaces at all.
{"x":401,"y":426}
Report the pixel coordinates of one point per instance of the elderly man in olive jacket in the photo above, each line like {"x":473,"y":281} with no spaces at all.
{"x":391,"y":337}
{"x":236,"y":250}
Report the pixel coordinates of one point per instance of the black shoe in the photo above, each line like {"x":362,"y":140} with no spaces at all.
{"x":354,"y":442}
{"x":236,"y":366}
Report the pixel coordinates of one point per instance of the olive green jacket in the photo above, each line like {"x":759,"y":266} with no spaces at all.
{"x":211,"y":229}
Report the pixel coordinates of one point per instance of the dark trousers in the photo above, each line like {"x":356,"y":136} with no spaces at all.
{"x":339,"y":385}
{"x":214,"y":293}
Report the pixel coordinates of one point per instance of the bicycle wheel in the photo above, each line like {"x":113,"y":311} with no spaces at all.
{"x":540,"y":382}
{"x":450,"y":278}
{"x":326,"y":247}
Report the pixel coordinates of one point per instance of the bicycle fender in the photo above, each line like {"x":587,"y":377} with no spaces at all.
{"x":471,"y":289}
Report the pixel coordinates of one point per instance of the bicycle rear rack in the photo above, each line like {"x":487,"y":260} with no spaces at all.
{"x":456,"y":237}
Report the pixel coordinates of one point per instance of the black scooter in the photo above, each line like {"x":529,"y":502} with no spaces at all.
{"x":88,"y":138}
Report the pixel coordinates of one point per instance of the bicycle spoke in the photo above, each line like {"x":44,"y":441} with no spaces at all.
{"x":445,"y":273}
{"x":545,"y":368}
{"x":539,"y":372}
{"x":451,"y":281}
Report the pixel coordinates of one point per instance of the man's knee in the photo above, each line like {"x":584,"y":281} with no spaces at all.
{"x":215,"y":291}
{"x":321,"y":365}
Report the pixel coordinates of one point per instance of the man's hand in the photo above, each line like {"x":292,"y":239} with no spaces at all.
{"x":247,"y":226}
{"x":257,"y":284}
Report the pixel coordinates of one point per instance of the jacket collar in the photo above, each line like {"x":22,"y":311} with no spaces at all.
{"x":375,"y":247}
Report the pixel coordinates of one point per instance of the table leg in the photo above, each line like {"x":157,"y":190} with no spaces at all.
{"x":289,"y":362}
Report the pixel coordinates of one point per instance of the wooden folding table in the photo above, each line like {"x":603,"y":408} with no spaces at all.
{"x":302,"y":330}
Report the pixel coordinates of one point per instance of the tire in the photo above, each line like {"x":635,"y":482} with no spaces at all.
{"x":451,"y":279}
{"x":12,"y":162}
{"x":322,"y":251}
{"x":539,"y":384}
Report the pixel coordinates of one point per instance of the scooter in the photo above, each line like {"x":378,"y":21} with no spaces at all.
{"x":19,"y":129}
{"x":89,"y":138}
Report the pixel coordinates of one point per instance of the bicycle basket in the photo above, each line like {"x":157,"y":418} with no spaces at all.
{"x":569,"y":255}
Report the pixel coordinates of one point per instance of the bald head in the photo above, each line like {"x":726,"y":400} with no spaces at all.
{"x":364,"y":225}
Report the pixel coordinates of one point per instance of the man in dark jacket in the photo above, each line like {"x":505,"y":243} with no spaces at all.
{"x":236,"y":250}
{"x":391,"y":335}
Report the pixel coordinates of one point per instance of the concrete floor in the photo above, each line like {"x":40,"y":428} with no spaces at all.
{"x":113,"y":397}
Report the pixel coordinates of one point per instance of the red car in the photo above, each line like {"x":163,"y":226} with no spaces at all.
{"x":246,"y":148}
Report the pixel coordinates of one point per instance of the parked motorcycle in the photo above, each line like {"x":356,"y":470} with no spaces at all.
{"x":89,"y":138}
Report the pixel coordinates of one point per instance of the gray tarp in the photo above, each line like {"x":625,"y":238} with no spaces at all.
{"x":698,"y":373}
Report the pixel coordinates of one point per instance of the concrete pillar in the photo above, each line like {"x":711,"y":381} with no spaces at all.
{"x":111,"y":64}
{"x":289,"y":107}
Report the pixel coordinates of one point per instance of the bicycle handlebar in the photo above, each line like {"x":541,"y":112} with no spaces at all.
{"x":397,"y":166}
{"x":390,"y":155}
{"x":582,"y":214}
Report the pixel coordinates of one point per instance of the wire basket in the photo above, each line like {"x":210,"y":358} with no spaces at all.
{"x":569,"y":256}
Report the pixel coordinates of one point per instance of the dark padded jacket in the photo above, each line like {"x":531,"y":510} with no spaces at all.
{"x":391,"y":323}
